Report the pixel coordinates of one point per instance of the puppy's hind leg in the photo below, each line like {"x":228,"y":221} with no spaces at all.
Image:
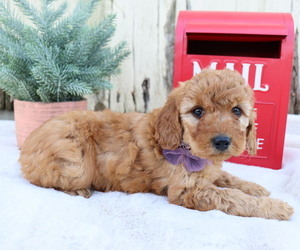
{"x":72,"y":179}
{"x":69,"y":169}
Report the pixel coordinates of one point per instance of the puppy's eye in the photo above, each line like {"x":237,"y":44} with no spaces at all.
{"x":237,"y":111}
{"x":198,"y":112}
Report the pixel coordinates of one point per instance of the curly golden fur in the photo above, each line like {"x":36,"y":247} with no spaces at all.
{"x":108,"y":151}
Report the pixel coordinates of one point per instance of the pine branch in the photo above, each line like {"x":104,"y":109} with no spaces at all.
{"x":53,"y":15}
{"x":68,"y":28}
{"x":45,"y":70}
{"x":76,"y":87}
{"x":100,"y":35}
{"x":100,"y":84}
{"x":112,"y":59}
{"x":44,"y":94}
{"x":31,"y":13}
{"x":76,"y":51}
{"x":13,"y":25}
{"x":47,"y":2}
{"x":11,"y":46}
{"x":60,"y":58}
{"x":13,"y":86}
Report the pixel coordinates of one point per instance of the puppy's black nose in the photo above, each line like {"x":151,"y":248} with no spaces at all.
{"x":221,"y":142}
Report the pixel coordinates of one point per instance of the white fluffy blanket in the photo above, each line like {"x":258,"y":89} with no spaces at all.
{"x":37,"y":218}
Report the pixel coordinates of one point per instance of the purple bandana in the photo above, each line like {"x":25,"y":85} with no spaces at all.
{"x":183,"y":155}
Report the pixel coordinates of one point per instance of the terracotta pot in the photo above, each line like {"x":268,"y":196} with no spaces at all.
{"x":30,"y":115}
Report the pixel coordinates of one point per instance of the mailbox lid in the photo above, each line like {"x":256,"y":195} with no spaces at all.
{"x":193,"y":27}
{"x":215,"y":22}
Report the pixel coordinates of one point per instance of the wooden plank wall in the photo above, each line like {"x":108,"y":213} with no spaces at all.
{"x":148,"y":26}
{"x":145,"y":79}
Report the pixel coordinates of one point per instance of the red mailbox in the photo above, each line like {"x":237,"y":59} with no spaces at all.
{"x":258,"y":45}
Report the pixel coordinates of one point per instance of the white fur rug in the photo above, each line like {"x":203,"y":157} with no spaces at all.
{"x":37,"y":218}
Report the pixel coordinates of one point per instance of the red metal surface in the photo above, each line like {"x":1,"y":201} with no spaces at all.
{"x":258,"y":45}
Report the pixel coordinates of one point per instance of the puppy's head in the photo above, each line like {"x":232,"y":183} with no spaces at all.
{"x":213,"y":113}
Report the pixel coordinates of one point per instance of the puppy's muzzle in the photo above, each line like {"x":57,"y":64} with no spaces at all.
{"x":221,"y":142}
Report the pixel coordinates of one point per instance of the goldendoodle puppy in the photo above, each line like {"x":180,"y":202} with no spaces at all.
{"x":176,"y":150}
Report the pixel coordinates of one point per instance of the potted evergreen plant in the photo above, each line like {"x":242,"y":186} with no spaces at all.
{"x":54,"y":59}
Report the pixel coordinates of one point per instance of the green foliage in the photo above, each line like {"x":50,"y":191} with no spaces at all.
{"x":57,"y":57}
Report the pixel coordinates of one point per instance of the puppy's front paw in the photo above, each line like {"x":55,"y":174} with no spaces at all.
{"x":255,"y":189}
{"x":277,"y":209}
{"x":287,"y":211}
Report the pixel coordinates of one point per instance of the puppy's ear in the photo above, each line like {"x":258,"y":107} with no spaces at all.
{"x":168,"y":129}
{"x":251,"y":135}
